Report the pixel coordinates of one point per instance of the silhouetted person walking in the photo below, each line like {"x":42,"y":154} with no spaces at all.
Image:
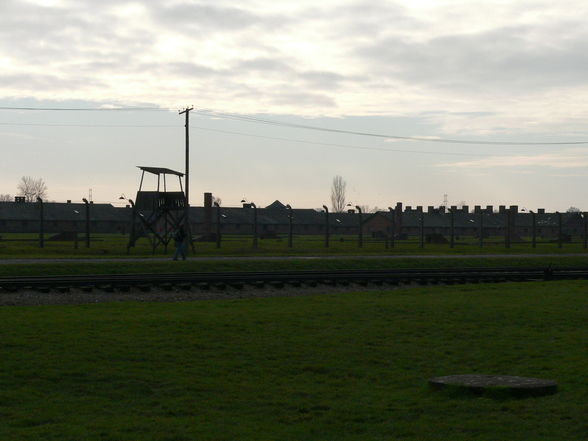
{"x":180,"y":239}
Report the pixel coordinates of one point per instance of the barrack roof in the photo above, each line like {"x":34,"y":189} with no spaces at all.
{"x":160,"y":171}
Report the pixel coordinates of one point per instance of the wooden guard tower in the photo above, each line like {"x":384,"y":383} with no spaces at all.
{"x":157,"y":215}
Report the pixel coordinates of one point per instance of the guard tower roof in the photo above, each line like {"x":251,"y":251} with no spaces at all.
{"x":160,"y":171}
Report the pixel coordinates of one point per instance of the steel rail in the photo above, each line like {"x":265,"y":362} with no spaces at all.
{"x":392,"y":276}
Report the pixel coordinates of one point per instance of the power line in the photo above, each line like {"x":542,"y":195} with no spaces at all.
{"x":258,"y":120}
{"x":381,"y":149}
{"x":274,"y":138}
{"x":92,"y":125}
{"x":88,"y":109}
{"x":376,"y":135}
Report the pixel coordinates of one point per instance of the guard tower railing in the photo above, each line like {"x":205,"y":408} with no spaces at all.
{"x":155,"y":200}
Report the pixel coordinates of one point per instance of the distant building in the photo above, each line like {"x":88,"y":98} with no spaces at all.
{"x":62,"y":217}
{"x":105,"y":218}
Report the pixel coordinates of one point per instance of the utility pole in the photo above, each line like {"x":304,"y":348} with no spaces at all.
{"x":42,"y":224}
{"x":186,"y":112}
{"x":360,"y":237}
{"x":218,"y":224}
{"x":87,"y":204}
{"x":393,"y":225}
{"x":452,"y":227}
{"x":327,"y":235}
{"x":289,"y":207}
{"x":422,"y":222}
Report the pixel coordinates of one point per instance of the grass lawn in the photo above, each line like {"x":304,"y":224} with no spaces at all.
{"x":147,"y":266}
{"x":325,"y":367}
{"x":112,"y":245}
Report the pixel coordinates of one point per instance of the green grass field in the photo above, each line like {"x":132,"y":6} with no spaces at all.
{"x":324,"y":367}
{"x":113,"y":245}
{"x":157,"y":266}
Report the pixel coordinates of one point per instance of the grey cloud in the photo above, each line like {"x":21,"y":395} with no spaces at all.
{"x":361,"y":20}
{"x":275,"y":67}
{"x":245,"y":91}
{"x":435,"y":113}
{"x":106,"y":67}
{"x":303,"y":98}
{"x":189,"y":69}
{"x":35,"y":22}
{"x":376,"y":17}
{"x":199,"y":16}
{"x":374,"y":8}
{"x":39,"y":34}
{"x":48,"y":82}
{"x":363,"y":11}
{"x":263,"y":65}
{"x":503,"y":59}
{"x":280,"y":95}
{"x":322,"y":79}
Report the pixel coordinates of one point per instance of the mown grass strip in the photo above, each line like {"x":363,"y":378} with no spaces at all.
{"x":122,"y":266}
{"x":348,"y":367}
{"x":14,"y":245}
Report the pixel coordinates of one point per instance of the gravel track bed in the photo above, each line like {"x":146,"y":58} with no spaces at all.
{"x":77,"y":296}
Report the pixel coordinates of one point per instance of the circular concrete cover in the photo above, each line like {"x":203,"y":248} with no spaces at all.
{"x":516,"y":386}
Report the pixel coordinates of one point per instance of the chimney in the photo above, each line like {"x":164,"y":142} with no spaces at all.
{"x":514,"y":209}
{"x":540,"y":210}
{"x":502,"y":209}
{"x":477,"y":209}
{"x":419,"y":208}
{"x":465,"y":208}
{"x":397,"y":219}
{"x":408,"y":208}
{"x":68,"y":201}
{"x":430,"y":209}
{"x":207,"y":213}
{"x":489,"y":209}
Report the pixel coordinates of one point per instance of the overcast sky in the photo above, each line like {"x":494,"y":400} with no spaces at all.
{"x":469,"y":70}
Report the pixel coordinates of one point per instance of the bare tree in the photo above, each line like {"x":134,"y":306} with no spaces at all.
{"x":573,"y":210}
{"x":32,"y":189}
{"x":217,"y":200}
{"x":5,"y":197}
{"x":338,"y":194}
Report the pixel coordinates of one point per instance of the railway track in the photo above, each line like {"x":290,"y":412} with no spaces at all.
{"x":277,"y":279}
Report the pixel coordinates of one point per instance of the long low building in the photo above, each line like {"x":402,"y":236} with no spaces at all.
{"x":23,"y":217}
